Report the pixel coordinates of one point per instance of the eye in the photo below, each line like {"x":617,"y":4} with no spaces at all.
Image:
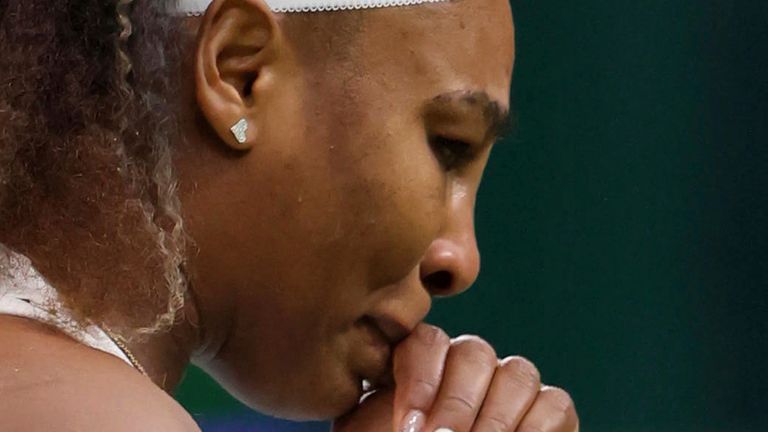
{"x":450,"y":152}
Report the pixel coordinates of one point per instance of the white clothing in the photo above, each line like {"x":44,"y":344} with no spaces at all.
{"x":27,"y":294}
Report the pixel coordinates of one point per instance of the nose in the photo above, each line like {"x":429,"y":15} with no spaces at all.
{"x":452,"y":262}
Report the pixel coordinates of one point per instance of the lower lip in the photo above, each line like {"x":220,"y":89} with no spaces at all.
{"x":375,"y":354}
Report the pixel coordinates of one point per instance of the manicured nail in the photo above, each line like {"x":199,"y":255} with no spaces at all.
{"x":444,"y":429}
{"x":413,"y":421}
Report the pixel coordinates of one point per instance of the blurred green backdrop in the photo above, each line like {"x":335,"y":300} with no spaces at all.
{"x":624,"y":223}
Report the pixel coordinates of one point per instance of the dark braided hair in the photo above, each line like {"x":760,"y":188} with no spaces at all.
{"x":87,"y":188}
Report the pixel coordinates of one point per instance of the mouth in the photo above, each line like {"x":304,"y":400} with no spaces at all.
{"x":390,"y":328}
{"x":375,"y":369}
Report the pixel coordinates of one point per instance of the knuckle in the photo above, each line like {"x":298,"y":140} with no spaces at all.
{"x":475,"y":349}
{"x":574,"y":424}
{"x":422,"y":387}
{"x":431,"y":335}
{"x":559,"y":399}
{"x":494,"y":423}
{"x":419,"y":393}
{"x":530,"y":428}
{"x":521,"y":371}
{"x":457,"y":403}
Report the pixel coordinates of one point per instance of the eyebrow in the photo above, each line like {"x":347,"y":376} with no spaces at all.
{"x":497,"y":118}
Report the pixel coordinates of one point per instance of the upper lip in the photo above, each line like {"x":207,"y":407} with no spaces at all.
{"x":392,"y":329}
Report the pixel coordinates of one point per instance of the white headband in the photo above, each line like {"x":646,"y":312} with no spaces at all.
{"x":198,"y":7}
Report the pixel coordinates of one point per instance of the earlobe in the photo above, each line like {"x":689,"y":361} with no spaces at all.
{"x":236,"y":41}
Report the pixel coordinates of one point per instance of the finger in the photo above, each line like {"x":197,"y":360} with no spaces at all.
{"x":553,"y":411}
{"x":469,"y":369}
{"x":374,"y":414}
{"x":513,"y":390}
{"x":418,"y":363}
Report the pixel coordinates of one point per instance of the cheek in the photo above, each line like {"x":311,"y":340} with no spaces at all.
{"x":396,"y":195}
{"x":408,"y":215}
{"x":383,"y":192}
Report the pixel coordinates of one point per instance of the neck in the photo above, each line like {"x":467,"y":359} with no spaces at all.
{"x":165,"y":355}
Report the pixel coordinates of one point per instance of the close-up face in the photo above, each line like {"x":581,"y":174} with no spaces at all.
{"x":323,"y":243}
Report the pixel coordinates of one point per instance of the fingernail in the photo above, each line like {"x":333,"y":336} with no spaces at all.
{"x":413,"y":421}
{"x":444,"y":429}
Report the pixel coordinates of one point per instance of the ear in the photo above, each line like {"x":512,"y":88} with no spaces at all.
{"x":238,"y":41}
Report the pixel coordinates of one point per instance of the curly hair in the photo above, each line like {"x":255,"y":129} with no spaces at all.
{"x":89,"y":91}
{"x":87,"y":185}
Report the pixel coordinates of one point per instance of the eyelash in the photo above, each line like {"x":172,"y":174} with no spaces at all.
{"x":450,"y":152}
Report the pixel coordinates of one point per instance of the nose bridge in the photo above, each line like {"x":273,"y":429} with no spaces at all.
{"x":452,"y":262}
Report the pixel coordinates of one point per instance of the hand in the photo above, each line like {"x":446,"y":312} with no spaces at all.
{"x":460,"y":385}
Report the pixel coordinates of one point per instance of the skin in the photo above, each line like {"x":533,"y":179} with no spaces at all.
{"x":366,"y":212}
{"x":343,"y":212}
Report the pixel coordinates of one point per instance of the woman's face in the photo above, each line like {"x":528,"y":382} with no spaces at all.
{"x":353,"y":207}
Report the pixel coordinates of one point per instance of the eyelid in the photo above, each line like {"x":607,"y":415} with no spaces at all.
{"x":453,"y":153}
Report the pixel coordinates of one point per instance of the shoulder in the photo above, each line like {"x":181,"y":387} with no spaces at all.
{"x":48,"y":382}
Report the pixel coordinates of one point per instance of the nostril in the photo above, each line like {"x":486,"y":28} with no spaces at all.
{"x":439,"y":281}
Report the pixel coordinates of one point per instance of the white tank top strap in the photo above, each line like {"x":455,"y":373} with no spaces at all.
{"x":25,"y":293}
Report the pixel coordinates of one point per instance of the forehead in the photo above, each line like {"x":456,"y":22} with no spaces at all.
{"x":435,"y":48}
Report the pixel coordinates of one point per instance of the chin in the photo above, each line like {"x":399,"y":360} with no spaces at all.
{"x":334,"y":405}
{"x":330,"y":398}
{"x":322,"y":398}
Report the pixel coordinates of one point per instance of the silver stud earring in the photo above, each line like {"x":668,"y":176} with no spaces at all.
{"x":239,"y":130}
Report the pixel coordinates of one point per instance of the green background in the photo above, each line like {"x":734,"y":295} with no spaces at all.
{"x":624,"y":222}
